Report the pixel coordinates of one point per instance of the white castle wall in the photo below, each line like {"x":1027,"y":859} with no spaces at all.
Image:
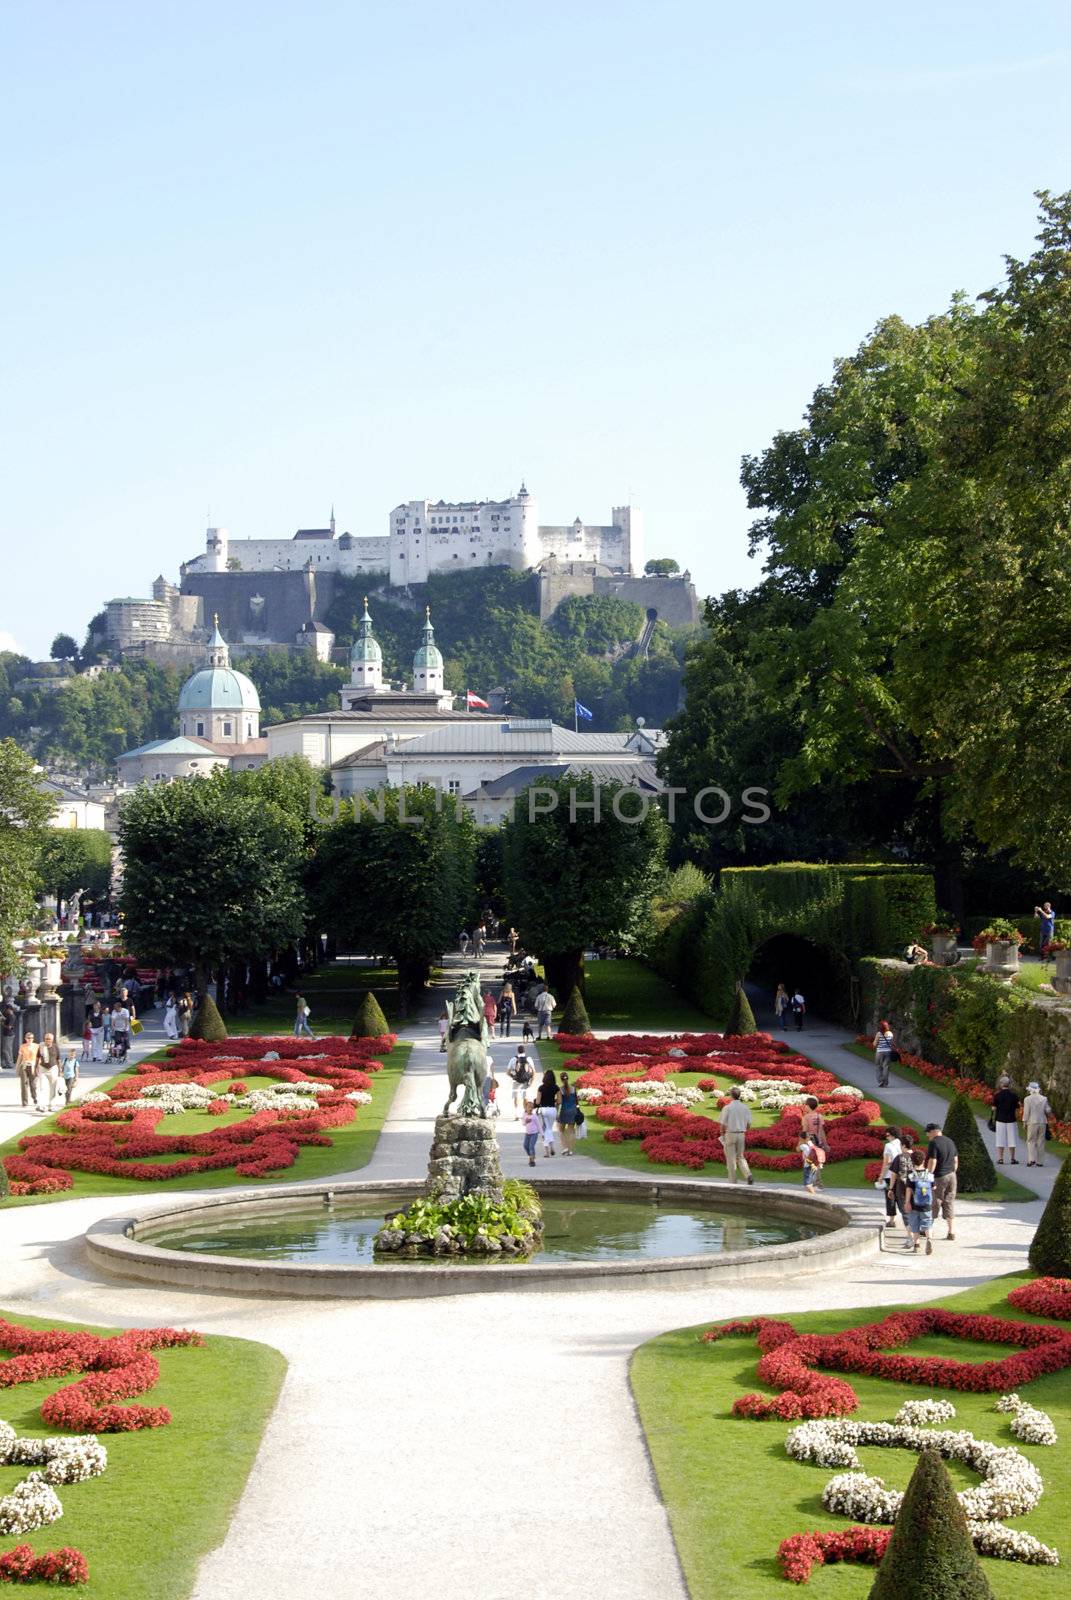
{"x":348,"y":555}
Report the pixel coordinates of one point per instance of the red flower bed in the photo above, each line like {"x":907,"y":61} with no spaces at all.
{"x":958,"y":1082}
{"x":789,"y":1359}
{"x":1045,"y":1297}
{"x":803,"y":1551}
{"x":679,"y":1137}
{"x":21,"y":1565}
{"x":117,"y":1368}
{"x":114,"y":1138}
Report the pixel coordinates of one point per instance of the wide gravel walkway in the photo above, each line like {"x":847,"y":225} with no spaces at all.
{"x":457,"y":1446}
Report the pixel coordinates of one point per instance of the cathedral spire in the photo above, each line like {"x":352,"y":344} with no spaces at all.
{"x":218,"y":652}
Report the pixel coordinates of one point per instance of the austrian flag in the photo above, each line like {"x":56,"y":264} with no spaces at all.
{"x":474,"y":702}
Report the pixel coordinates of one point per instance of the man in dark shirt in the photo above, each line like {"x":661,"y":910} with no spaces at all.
{"x":942,"y":1159}
{"x":9,"y":1022}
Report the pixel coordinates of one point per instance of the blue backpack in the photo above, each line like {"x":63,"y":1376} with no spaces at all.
{"x":922,"y":1191}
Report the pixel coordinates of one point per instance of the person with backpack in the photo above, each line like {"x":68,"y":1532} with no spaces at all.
{"x":521,"y":1073}
{"x":884,"y":1050}
{"x":814,"y":1125}
{"x":919,"y":1204}
{"x":813,"y":1157}
{"x":799,"y":1009}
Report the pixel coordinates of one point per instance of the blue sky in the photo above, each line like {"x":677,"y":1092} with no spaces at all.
{"x":262,"y":257}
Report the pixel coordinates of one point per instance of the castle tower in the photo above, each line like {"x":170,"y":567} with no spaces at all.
{"x":216,"y":549}
{"x":428,"y":662}
{"x":366,"y":658}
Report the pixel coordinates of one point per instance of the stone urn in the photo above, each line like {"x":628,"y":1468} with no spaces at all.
{"x":50,"y":978}
{"x":943,"y":949}
{"x":1001,"y":958}
{"x":34,"y":968}
{"x":1062,"y":978}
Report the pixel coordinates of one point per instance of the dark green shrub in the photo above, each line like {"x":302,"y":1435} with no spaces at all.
{"x":741,"y":1017}
{"x":369,"y":1023}
{"x":1050,"y":1251}
{"x":575,"y":1016}
{"x":976,"y":1173}
{"x":930,"y":1554}
{"x":207,"y":1023}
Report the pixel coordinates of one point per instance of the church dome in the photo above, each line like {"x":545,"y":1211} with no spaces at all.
{"x":429,"y":657}
{"x":219,"y":689}
{"x":365,"y":649}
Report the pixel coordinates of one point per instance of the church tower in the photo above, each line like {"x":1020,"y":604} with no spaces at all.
{"x":428,"y":662}
{"x":366,"y":658}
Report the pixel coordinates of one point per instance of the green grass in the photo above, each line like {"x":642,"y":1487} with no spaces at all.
{"x":333,"y":993}
{"x":733,"y":1494}
{"x":167,"y":1495}
{"x":351,"y":1147}
{"x":627,"y":996}
{"x":836,"y":1175}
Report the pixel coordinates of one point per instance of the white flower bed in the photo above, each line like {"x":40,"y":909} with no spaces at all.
{"x":850,"y":1090}
{"x":919,"y":1412}
{"x":34,"y":1503}
{"x":360,"y":1097}
{"x":175,"y":1097}
{"x":1011,"y":1485}
{"x":589,"y":1096}
{"x":663,"y":1094}
{"x":1028,"y":1423}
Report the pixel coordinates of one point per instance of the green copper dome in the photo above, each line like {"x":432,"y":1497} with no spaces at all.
{"x":429,"y":657}
{"x":365,"y":648}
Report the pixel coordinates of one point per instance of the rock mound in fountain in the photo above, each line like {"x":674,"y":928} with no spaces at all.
{"x":464,"y":1160}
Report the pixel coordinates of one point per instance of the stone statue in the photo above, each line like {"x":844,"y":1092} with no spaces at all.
{"x":468,"y":1037}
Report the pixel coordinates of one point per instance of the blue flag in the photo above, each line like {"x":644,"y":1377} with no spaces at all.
{"x":582,"y":711}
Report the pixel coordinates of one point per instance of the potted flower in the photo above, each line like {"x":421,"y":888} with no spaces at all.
{"x":1060,"y":951}
{"x":1000,"y":941}
{"x":942,"y":935}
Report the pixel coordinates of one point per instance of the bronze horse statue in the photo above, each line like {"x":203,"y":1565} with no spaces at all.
{"x":468,"y":1037}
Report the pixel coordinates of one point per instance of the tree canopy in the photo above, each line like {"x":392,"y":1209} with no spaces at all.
{"x":75,"y":861}
{"x":24,"y":813}
{"x":211,"y":873}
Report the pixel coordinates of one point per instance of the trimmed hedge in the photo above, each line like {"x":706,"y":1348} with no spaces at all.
{"x":207,"y":1023}
{"x":931,"y":1555}
{"x":369,"y":1023}
{"x":575,"y":1016}
{"x":1050,"y":1249}
{"x":976,"y":1173}
{"x":741,"y":1017}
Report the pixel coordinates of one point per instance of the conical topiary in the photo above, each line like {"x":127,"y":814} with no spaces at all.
{"x":1050,"y":1252}
{"x":575,"y":1016}
{"x":741,"y":1016}
{"x":930,"y":1555}
{"x":207,"y":1023}
{"x":369,"y":1023}
{"x":976,"y":1173}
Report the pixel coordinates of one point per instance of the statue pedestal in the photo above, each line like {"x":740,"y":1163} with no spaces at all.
{"x":464,"y":1159}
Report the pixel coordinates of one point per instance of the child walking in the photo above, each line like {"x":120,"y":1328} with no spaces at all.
{"x":920,"y":1204}
{"x":531,"y":1132}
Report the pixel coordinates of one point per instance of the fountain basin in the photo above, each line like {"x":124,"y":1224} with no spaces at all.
{"x":829,"y":1234}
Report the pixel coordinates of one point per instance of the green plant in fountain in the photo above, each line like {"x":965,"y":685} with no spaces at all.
{"x":474,"y":1224}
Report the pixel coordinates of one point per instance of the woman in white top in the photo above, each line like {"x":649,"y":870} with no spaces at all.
{"x":171,"y":1017}
{"x":884,"y":1044}
{"x":890,"y":1150}
{"x":781,"y":1004}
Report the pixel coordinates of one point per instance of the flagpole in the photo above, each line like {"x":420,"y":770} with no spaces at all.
{"x":576,"y":716}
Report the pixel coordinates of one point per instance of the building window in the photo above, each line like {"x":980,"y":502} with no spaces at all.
{"x":227,"y":730}
{"x":454,"y":786}
{"x":200,"y":730}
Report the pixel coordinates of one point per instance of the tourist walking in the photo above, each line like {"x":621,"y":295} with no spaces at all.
{"x":531,"y":1131}
{"x":490,"y":1011}
{"x":171,"y":1018}
{"x":942,"y":1161}
{"x":889,"y":1152}
{"x":884,"y":1049}
{"x":521,"y":1072}
{"x":902,"y":1167}
{"x":48,"y":1059}
{"x":781,"y":1005}
{"x":920,"y":1204}
{"x":480,"y":941}
{"x":95,"y":1021}
{"x":813,"y":1158}
{"x":301,"y":1018}
{"x":120,"y":1032}
{"x":490,"y":1089}
{"x":511,"y":940}
{"x":544,"y":1010}
{"x":799,"y":1010}
{"x":735,"y":1120}
{"x":26,"y":1066}
{"x":1047,"y":925}
{"x":9,"y":1028}
{"x":507,"y":1004}
{"x":1036,"y":1113}
{"x":464,"y":941}
{"x":814,"y":1125}
{"x":444,"y":1028}
{"x":1002,"y":1120}
{"x":70,"y":1073}
{"x":547,"y":1106}
{"x":568,"y":1112}
{"x":185,"y":1014}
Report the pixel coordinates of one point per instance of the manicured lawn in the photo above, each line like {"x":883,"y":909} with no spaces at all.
{"x":626,"y":996}
{"x":837,"y":1174}
{"x":351,"y":1147}
{"x":333,"y":992}
{"x":733,"y":1494}
{"x":167,"y":1495}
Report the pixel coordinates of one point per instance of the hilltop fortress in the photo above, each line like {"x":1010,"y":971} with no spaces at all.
{"x":276,"y":592}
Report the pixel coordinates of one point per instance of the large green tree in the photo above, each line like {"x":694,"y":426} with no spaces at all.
{"x":922,"y":513}
{"x":24,"y":814}
{"x":211,"y":874}
{"x":576,"y":876}
{"x":395,"y":875}
{"x":75,"y":861}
